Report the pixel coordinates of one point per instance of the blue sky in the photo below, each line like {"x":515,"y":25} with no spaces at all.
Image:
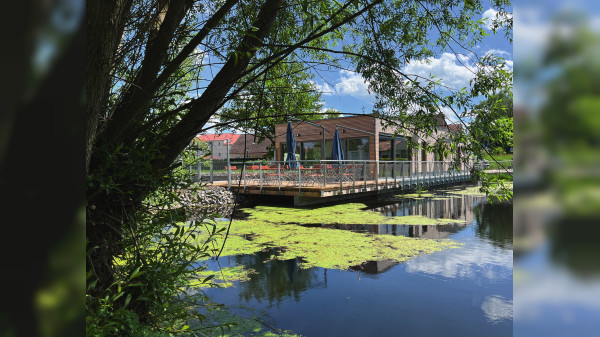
{"x":347,"y":91}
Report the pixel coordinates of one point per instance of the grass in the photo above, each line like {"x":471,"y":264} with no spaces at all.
{"x":472,"y":190}
{"x":498,"y":157}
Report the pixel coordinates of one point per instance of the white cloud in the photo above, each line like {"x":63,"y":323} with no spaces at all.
{"x":450,"y":116}
{"x":555,"y":289}
{"x":352,"y":84}
{"x":533,"y":33}
{"x":446,"y":68}
{"x":498,"y":52}
{"x":484,"y":259}
{"x":324,"y":88}
{"x":489,"y":16}
{"x":496,"y":308}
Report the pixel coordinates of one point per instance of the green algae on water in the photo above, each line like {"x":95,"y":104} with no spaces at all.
{"x":324,"y":247}
{"x":415,"y":195}
{"x":347,"y":214}
{"x":242,"y":326}
{"x":223,"y":278}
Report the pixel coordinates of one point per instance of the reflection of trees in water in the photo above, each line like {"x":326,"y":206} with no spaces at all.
{"x":574,"y":245}
{"x":495,"y":223}
{"x":277,"y":280}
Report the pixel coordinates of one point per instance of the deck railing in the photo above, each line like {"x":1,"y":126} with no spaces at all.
{"x":330,"y":173}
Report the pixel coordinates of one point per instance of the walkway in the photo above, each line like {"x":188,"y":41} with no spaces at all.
{"x":321,"y":181}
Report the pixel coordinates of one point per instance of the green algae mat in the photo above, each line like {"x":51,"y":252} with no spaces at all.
{"x":280,"y":227}
{"x":324,"y":247}
{"x":268,"y":227}
{"x":347,"y":214}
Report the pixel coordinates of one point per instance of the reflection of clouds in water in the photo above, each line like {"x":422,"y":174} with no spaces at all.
{"x":470,"y":261}
{"x":556,"y":289}
{"x":496,"y":308}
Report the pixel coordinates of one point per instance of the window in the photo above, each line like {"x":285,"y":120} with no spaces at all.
{"x":356,"y":148}
{"x":284,"y":151}
{"x":401,"y":148}
{"x":311,"y":151}
{"x":385,"y":148}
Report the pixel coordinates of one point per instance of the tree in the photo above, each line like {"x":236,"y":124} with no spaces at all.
{"x":158,"y":70}
{"x":285,"y":90}
{"x":493,"y":123}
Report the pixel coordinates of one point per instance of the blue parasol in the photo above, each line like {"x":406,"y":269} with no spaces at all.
{"x":337,"y":152}
{"x":290,"y":143}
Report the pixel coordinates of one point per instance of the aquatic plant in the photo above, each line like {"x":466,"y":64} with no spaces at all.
{"x":223,"y":277}
{"x":243,"y":326}
{"x":325,"y":247}
{"x":350,"y":214}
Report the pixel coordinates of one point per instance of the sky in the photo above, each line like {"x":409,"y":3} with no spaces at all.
{"x":347,"y":92}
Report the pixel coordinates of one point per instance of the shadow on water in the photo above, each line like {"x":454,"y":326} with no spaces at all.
{"x":465,"y":291}
{"x":573,"y":244}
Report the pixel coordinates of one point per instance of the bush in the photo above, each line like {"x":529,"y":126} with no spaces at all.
{"x":498,"y":150}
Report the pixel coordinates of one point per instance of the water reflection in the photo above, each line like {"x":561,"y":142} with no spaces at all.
{"x":277,"y":280}
{"x":444,"y":206}
{"x":495,"y":223}
{"x":435,"y":232}
{"x":574,"y":246}
{"x":465,"y":291}
{"x":497,"y":308}
{"x":474,"y":259}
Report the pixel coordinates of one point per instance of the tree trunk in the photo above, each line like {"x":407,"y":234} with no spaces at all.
{"x":104,"y":27}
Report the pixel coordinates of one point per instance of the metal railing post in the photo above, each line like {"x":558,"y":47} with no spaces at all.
{"x":365,"y":174}
{"x":340,"y":168}
{"x":394,"y":171}
{"x":229,"y":167}
{"x":353,"y":174}
{"x":402,"y":172}
{"x":385,"y":173}
{"x":324,"y":172}
{"x":260,"y":175}
{"x":299,"y":178}
{"x":211,"y":163}
{"x":421,"y":168}
{"x":279,"y":175}
{"x":376,"y":175}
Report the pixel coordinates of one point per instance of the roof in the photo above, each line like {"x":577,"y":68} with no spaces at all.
{"x":238,"y":147}
{"x":455,"y":127}
{"x":219,"y":136}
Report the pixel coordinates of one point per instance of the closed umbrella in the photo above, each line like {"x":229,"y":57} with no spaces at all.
{"x":337,"y":152}
{"x":290,"y":143}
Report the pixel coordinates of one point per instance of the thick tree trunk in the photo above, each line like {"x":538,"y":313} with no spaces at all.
{"x":104,"y":27}
{"x":215,"y":94}
{"x":107,"y":213}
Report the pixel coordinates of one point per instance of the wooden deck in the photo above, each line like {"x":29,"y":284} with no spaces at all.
{"x":318,"y":193}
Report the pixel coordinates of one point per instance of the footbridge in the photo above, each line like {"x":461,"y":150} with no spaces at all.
{"x":313,"y":182}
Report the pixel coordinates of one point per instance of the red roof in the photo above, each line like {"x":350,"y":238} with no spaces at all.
{"x":220,"y":136}
{"x":455,"y":127}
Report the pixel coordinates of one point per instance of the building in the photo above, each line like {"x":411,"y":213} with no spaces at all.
{"x":363,"y":137}
{"x":218,"y":143}
{"x":246,"y":143}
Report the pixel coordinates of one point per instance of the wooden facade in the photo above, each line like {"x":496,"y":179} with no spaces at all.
{"x":373,"y":128}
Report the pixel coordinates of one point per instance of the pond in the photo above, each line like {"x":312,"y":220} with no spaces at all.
{"x":465,"y":291}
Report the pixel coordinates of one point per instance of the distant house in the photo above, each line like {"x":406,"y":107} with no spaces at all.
{"x":245,"y":143}
{"x":219,"y":143}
